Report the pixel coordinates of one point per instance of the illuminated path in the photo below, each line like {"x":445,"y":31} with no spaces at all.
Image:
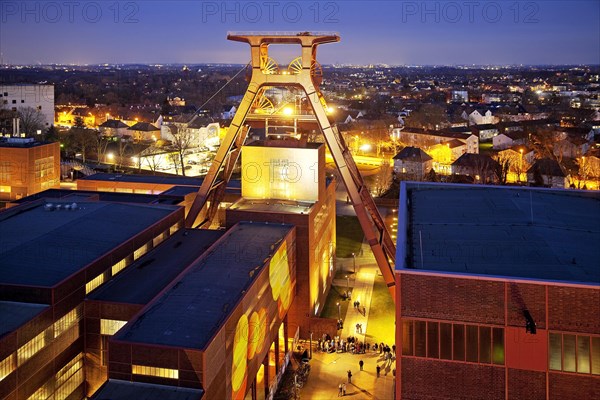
{"x":329,"y":370}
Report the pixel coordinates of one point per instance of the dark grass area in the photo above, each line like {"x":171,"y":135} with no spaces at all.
{"x":330,"y":307}
{"x":381,"y":326}
{"x":349,"y":236}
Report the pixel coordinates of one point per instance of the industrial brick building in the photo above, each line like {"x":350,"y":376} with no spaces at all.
{"x":498,"y":293}
{"x":27,"y":167}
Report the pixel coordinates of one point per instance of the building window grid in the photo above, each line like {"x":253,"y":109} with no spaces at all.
{"x":30,"y":348}
{"x":155,"y":371}
{"x":412,"y":352}
{"x":67,"y":322}
{"x":586,"y":365}
{"x":44,"y":169}
{"x":63,"y":383}
{"x":7,"y":366}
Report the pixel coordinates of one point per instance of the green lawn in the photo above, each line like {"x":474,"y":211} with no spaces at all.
{"x":330,"y":308}
{"x":380,"y":327}
{"x":349,"y":236}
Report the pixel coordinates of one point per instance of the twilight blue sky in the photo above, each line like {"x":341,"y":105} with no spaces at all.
{"x":393,"y":32}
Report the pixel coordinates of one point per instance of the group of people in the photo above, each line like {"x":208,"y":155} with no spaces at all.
{"x":350,"y":345}
{"x":362,"y":310}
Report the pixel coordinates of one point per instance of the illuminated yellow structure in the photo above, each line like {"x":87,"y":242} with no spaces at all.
{"x":303,"y":75}
{"x":284,"y":181}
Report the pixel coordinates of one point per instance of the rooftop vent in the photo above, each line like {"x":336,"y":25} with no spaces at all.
{"x":49,"y":207}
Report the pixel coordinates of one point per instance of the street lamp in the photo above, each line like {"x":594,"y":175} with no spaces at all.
{"x":311,"y":345}
{"x":339,"y":311}
{"x":354,"y":262}
{"x":348,"y":286}
{"x":520,"y":164}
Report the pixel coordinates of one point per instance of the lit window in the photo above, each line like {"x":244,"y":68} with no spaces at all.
{"x":120,"y":266}
{"x":155,"y":371}
{"x":7,"y":366}
{"x":555,"y":351}
{"x":110,"y":326}
{"x":94,"y":283}
{"x":67,"y":322}
{"x":30,"y":348}
{"x":141,"y":251}
{"x":174,"y":228}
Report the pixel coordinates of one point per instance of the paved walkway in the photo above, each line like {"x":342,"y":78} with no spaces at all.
{"x":329,"y":370}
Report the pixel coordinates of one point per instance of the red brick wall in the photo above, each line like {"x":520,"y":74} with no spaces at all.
{"x":466,"y":300}
{"x":574,"y":309}
{"x":572,"y":386}
{"x":424,"y":379}
{"x":526,"y":384}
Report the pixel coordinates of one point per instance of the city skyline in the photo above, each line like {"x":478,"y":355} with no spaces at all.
{"x":394,"y":33}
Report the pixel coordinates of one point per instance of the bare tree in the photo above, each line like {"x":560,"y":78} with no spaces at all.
{"x":505,"y":162}
{"x":100,"y":144}
{"x":151,"y":157}
{"x":181,"y":142}
{"x":383,"y":179}
{"x":82,"y":140}
{"x":31,"y":120}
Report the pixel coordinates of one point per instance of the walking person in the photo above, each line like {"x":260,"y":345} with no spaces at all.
{"x":343,"y":389}
{"x":349,"y":376}
{"x":340,"y":390}
{"x":361,"y":363}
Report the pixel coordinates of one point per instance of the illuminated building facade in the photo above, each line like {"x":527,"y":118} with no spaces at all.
{"x":27,"y":167}
{"x":56,"y":254}
{"x":283,"y":181}
{"x":220,"y":326}
{"x":501,"y":300}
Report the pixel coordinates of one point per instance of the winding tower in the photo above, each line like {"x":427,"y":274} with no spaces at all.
{"x":304,"y":74}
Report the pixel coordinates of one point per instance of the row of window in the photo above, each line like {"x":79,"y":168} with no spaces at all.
{"x":63,"y":383}
{"x":574,"y":353}
{"x":447,"y":341}
{"x":155,"y":371}
{"x":32,"y":347}
{"x":119,"y":266}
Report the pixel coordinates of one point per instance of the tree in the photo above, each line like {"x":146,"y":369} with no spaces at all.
{"x":51,"y":134}
{"x":81,"y":140}
{"x":383,"y":179}
{"x":181,"y":142}
{"x":100,"y":143}
{"x":79,"y":122}
{"x":504,"y":161}
{"x":429,"y":116}
{"x":31,"y":120}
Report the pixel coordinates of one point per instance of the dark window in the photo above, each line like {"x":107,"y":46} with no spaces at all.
{"x":459,"y":342}
{"x":420,"y":339}
{"x":446,"y":341}
{"x":432,"y":340}
{"x":14,"y":102}
{"x":596,"y":355}
{"x":407,"y":338}
{"x":472,"y":343}
{"x":569,"y":353}
{"x":485,"y":344}
{"x":6,"y":93}
{"x":498,"y":350}
{"x":583,"y":354}
{"x":22,"y":101}
{"x":555,"y":351}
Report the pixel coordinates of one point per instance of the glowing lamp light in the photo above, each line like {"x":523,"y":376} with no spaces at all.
{"x":135,"y":159}
{"x":365,"y":147}
{"x":330,"y":110}
{"x":288,"y":111}
{"x":110,"y":156}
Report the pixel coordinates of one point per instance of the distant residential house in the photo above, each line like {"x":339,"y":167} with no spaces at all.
{"x":412,"y":163}
{"x":509,"y":139}
{"x":228,"y":112}
{"x":204,"y":131}
{"x":549,"y":172}
{"x":485,"y":131}
{"x":425,"y":139}
{"x":113,"y":127}
{"x":144,"y":131}
{"x":479,"y":117}
{"x":571,"y":146}
{"x":480,"y":167}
